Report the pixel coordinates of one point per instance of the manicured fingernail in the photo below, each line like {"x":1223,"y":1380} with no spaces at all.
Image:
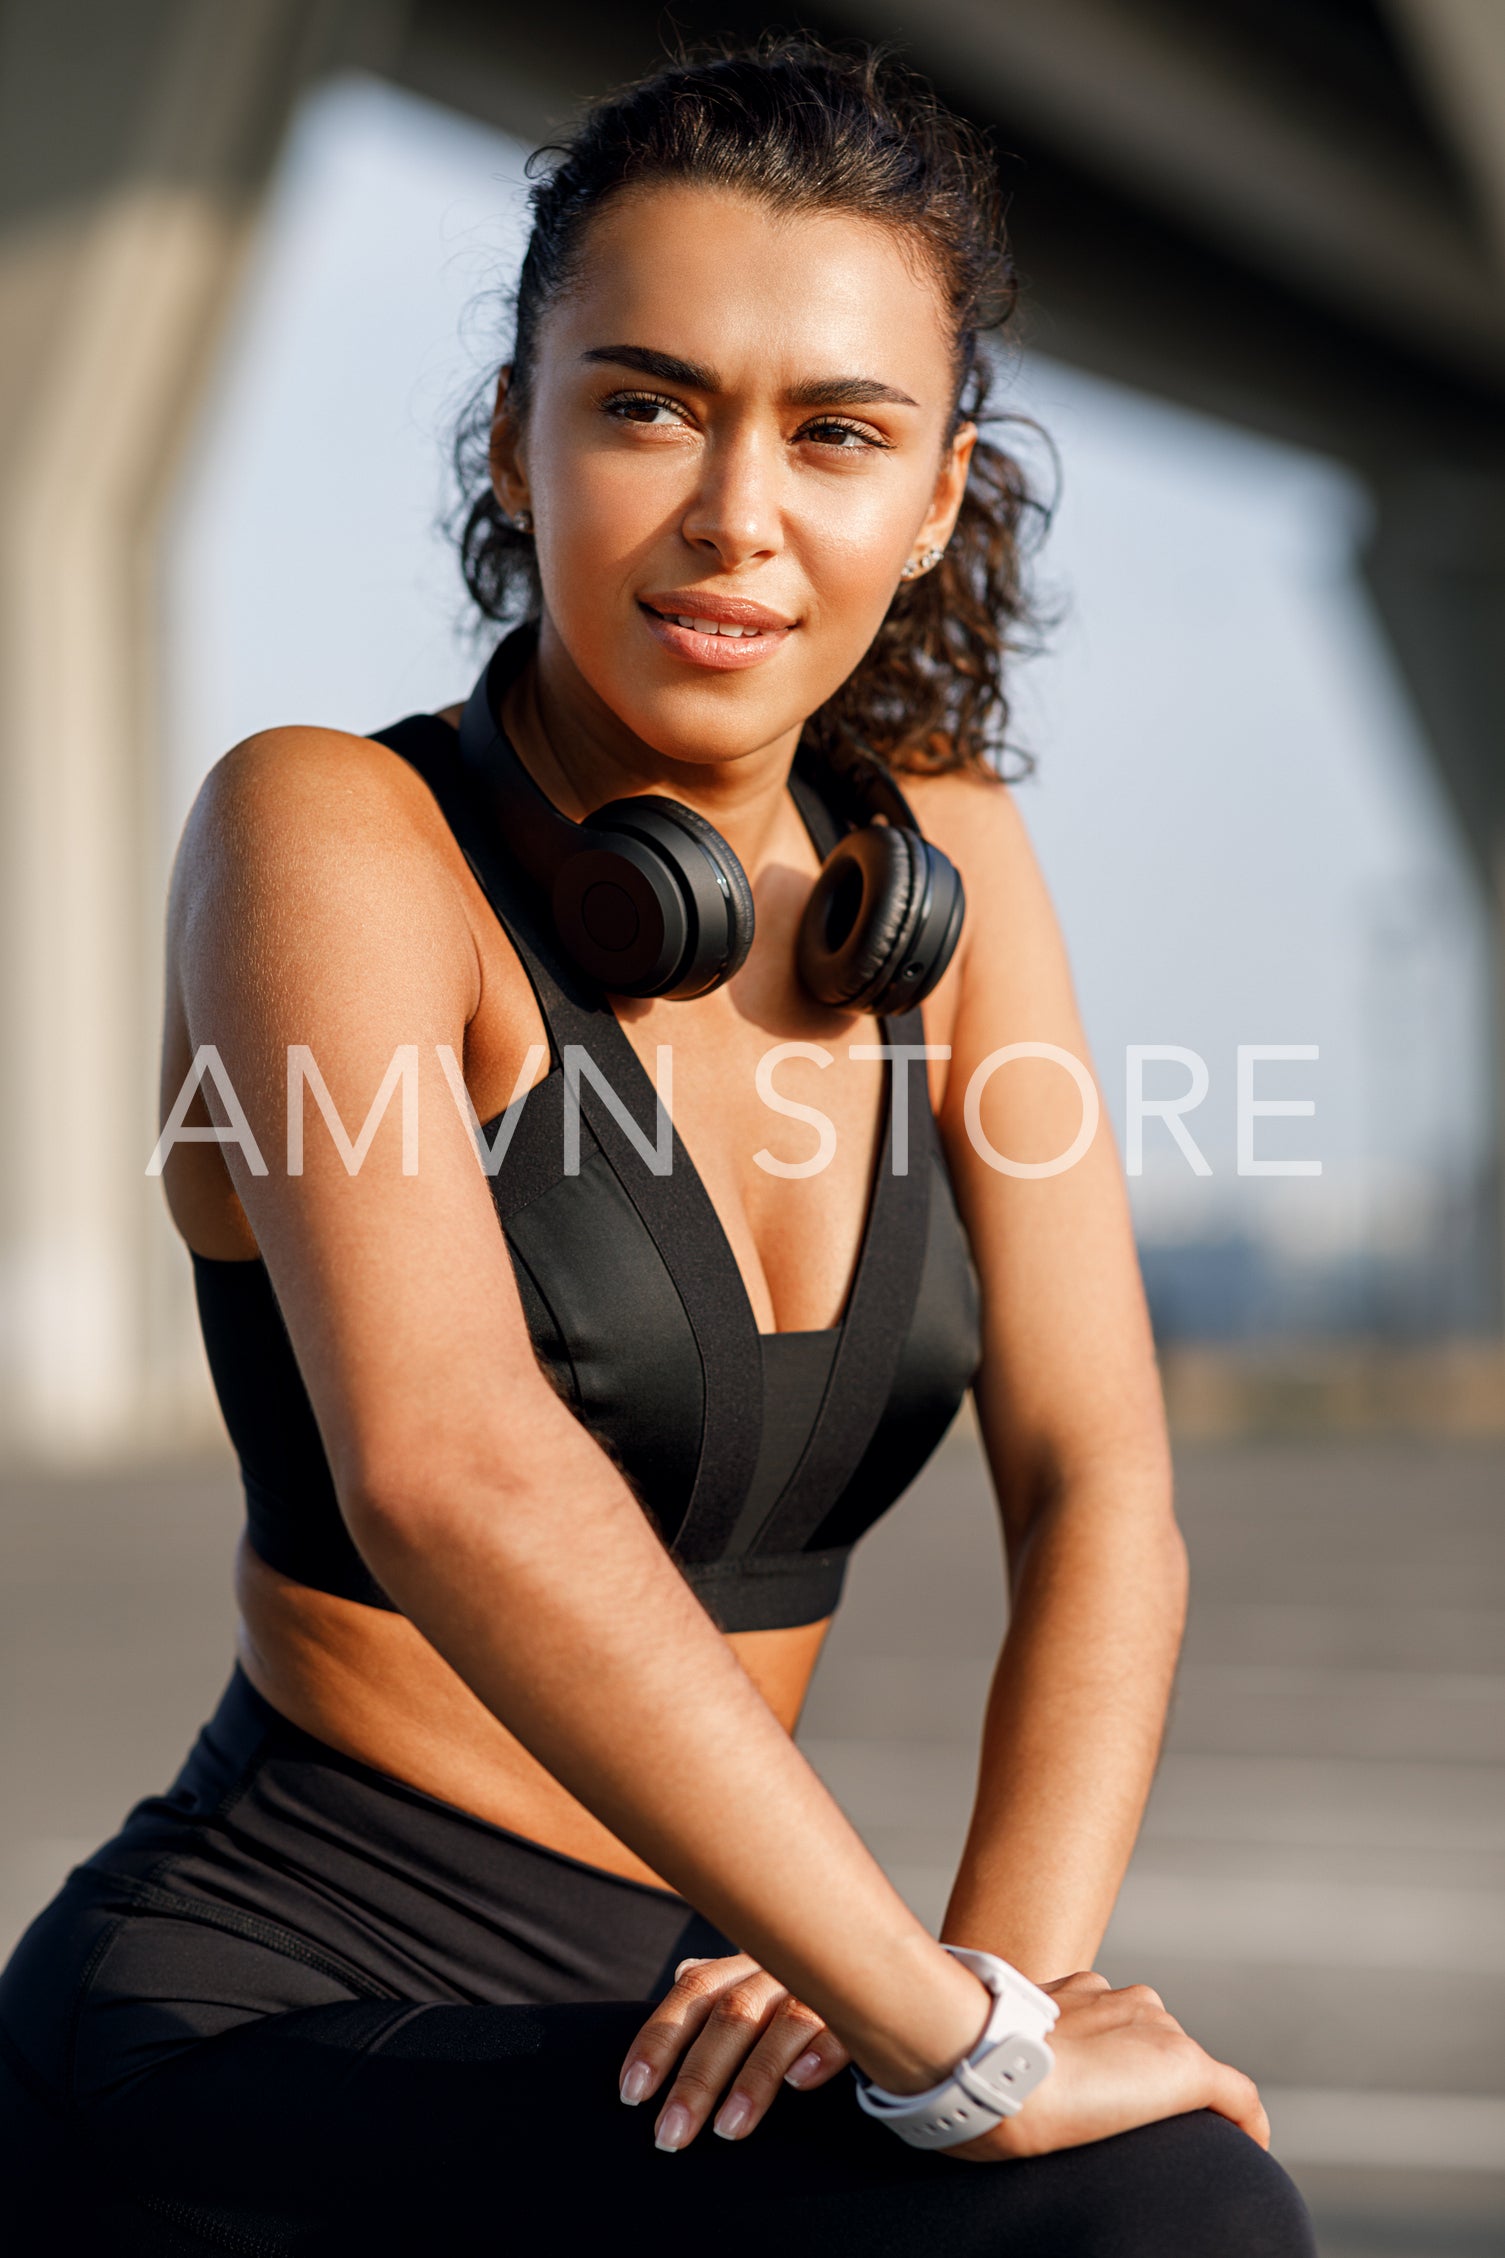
{"x":637,"y":2079}
{"x":673,"y":2128}
{"x":733,"y":2119}
{"x":800,"y":2073}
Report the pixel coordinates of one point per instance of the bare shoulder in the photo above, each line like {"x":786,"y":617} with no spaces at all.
{"x":318,"y":819}
{"x":974,"y":819}
{"x":321,"y":790}
{"x":1012,"y":972}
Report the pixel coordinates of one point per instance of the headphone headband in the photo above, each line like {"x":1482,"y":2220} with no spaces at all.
{"x":863,"y":787}
{"x":540,"y":835}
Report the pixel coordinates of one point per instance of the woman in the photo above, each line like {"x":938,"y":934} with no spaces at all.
{"x":546,"y":1523}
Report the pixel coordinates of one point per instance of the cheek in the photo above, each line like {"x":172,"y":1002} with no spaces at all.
{"x":609,"y":525}
{"x":851,"y":545}
{"x":600,"y":511}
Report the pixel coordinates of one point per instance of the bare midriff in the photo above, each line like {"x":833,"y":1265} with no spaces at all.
{"x":369,"y":1684}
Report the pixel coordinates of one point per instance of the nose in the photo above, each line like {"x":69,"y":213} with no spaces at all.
{"x":735,"y":511}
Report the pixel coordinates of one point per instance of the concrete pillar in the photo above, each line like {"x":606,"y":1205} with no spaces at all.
{"x":1459,"y":50}
{"x":135,"y":139}
{"x":1436,"y":567}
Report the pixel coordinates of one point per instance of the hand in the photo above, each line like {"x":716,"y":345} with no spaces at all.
{"x":744,"y":2032}
{"x":1121,"y":2061}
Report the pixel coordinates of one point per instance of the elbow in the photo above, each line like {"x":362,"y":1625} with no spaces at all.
{"x":1112,"y":1519}
{"x":384,"y":1511}
{"x":423,"y":1505}
{"x":479,"y":1488}
{"x":1163,"y":1563}
{"x":1174,"y":1567}
{"x":394,"y":1521}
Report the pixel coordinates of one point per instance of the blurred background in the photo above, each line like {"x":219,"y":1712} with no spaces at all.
{"x":253,"y":256}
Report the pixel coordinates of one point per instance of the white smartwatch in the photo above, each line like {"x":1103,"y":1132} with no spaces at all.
{"x":990,"y":2083}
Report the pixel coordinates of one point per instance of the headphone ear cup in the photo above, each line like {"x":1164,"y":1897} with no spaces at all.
{"x":716,"y":919}
{"x":882,"y":921}
{"x":742,"y":917}
{"x":943,"y":907}
{"x":620,"y":913}
{"x":861,"y":913}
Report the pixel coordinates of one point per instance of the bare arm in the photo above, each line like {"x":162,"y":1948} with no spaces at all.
{"x":313,"y":905}
{"x":1070,"y":1409}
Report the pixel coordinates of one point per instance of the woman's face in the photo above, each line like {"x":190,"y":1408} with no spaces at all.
{"x":738,"y":418}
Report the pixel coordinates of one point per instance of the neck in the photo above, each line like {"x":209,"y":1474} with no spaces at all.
{"x":583,"y":754}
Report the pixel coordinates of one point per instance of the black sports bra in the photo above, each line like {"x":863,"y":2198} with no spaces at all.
{"x":760,"y":1457}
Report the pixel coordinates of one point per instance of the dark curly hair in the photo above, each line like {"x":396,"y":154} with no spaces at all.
{"x":803,"y":126}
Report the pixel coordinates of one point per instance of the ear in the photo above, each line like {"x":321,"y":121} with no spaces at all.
{"x":950,"y":485}
{"x":509,"y":477}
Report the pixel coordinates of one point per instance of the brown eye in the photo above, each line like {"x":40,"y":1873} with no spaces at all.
{"x":847,"y":438}
{"x":644,"y":408}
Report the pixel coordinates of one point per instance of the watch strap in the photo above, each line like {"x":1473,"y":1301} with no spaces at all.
{"x":991,"y":2082}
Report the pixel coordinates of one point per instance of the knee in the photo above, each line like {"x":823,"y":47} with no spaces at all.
{"x":1189,"y":2187}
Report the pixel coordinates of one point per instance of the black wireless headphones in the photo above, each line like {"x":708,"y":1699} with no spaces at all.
{"x":649,"y":900}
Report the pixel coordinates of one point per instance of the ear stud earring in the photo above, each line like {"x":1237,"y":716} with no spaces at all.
{"x":521,"y":521}
{"x":926,"y":561}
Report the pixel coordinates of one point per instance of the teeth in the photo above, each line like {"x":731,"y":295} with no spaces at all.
{"x":710,"y":626}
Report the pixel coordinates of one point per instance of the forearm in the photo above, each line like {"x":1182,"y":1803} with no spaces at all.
{"x":592,"y":1650}
{"x":1074,"y":1724}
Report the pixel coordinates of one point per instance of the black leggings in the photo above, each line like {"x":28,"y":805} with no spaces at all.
{"x":295,"y":2007}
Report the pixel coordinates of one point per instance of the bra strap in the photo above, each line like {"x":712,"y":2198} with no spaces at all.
{"x":429,"y":746}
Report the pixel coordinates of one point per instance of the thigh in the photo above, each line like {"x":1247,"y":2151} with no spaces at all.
{"x":370,"y":2127}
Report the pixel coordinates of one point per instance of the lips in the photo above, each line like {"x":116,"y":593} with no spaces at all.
{"x":711,"y":612}
{"x":721,"y":632}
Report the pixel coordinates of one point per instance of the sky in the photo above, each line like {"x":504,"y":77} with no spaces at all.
{"x":1231,"y":799}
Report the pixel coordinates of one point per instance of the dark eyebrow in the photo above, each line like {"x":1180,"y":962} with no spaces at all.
{"x":816,"y":392}
{"x":846,"y":392}
{"x":666,"y":366}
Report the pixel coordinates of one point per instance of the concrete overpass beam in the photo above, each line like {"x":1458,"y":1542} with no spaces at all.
{"x":134,"y":145}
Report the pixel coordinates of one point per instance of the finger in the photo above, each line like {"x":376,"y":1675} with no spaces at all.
{"x":674,"y":2022}
{"x":819,"y":2064}
{"x":698,"y":1983}
{"x":797,"y":2048}
{"x":737,"y":2019}
{"x":1233,"y":2095}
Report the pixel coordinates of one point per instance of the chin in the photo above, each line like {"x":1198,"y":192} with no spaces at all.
{"x":709,"y":730}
